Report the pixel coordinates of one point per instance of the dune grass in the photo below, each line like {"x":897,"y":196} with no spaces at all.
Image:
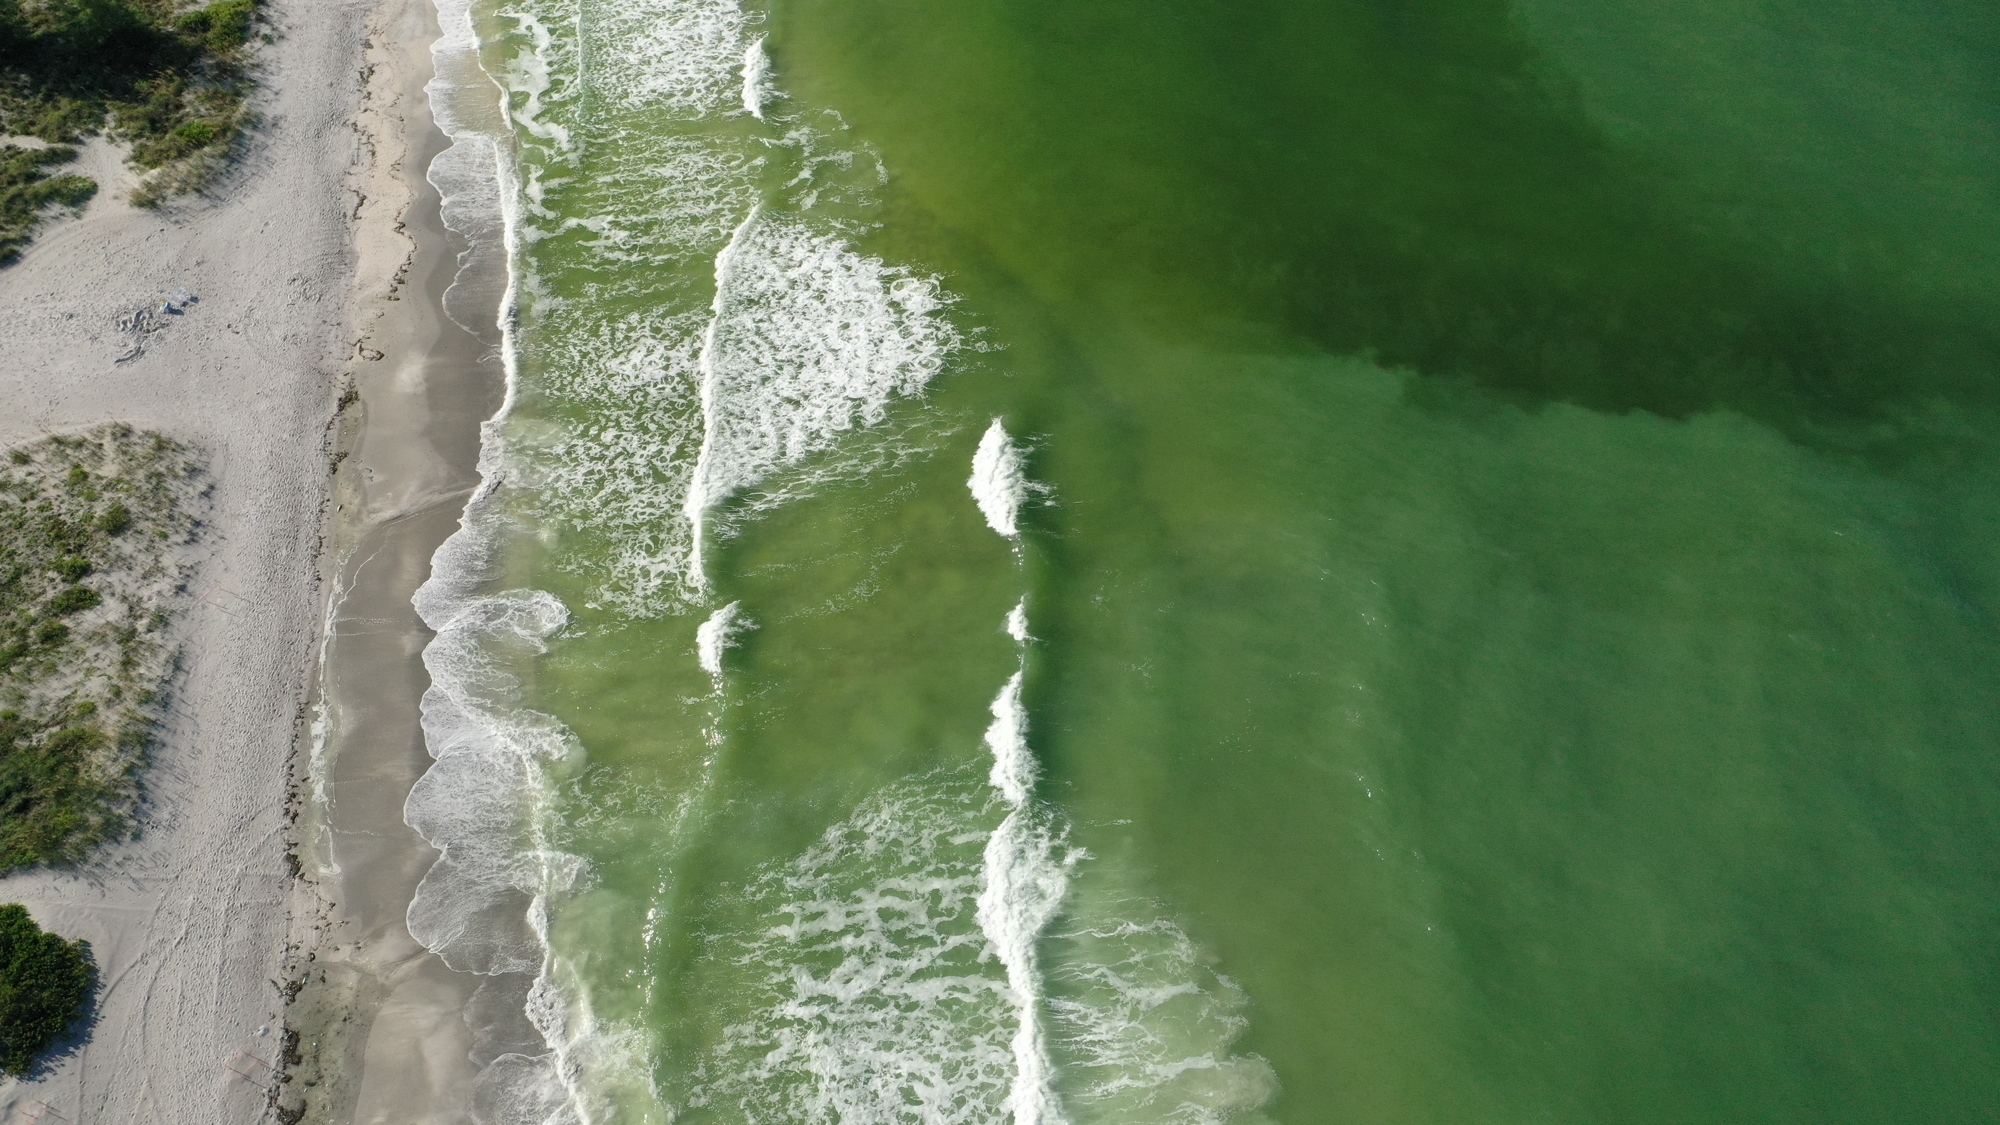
{"x":28,"y":191}
{"x":167,"y":79}
{"x":90,"y":530}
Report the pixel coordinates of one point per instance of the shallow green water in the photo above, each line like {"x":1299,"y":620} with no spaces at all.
{"x":1513,"y":600}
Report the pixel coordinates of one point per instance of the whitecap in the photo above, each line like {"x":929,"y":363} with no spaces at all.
{"x":1017,"y":623}
{"x":999,"y":481}
{"x":1014,"y":767}
{"x":757,"y":86}
{"x":717,"y":634}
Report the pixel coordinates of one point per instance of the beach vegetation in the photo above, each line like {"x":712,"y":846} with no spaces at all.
{"x":168,"y":80}
{"x":83,"y":609}
{"x":29,"y":191}
{"x":73,"y":600}
{"x":45,"y":984}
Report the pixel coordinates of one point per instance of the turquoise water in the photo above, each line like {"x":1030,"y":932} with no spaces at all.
{"x":1197,"y":562}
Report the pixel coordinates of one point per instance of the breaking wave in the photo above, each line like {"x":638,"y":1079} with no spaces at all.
{"x":929,"y":960}
{"x":1025,"y":869}
{"x":876,"y":979}
{"x":908,"y":969}
{"x":999,"y":481}
{"x":807,"y":341}
{"x":717,"y":634}
{"x":642,"y":401}
{"x":757,"y":88}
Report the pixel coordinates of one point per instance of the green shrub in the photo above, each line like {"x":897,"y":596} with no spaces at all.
{"x":91,"y":33}
{"x":45,"y":982}
{"x":79,"y":702}
{"x":74,"y":599}
{"x":223,"y":26}
{"x":195,"y":134}
{"x":68,"y":536}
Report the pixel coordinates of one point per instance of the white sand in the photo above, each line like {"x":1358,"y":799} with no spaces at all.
{"x":189,"y":919}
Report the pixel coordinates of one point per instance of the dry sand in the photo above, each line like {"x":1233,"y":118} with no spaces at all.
{"x":296,"y":260}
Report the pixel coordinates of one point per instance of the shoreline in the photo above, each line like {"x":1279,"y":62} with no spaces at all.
{"x":188,"y":918}
{"x":381,"y":1023}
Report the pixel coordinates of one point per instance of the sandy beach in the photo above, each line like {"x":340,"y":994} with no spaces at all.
{"x":306,"y":286}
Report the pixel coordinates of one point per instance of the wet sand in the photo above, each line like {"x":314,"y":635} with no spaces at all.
{"x":384,"y":1034}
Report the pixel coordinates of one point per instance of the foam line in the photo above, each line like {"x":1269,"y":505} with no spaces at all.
{"x":482,"y":905}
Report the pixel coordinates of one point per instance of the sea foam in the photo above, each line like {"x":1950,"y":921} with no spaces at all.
{"x":876,"y":1002}
{"x":674,"y":56}
{"x":485,"y":801}
{"x":807,"y":342}
{"x":1145,"y":1025}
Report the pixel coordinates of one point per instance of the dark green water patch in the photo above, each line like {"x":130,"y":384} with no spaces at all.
{"x":1416,"y":182}
{"x":1530,"y":765}
{"x":1518,"y":586}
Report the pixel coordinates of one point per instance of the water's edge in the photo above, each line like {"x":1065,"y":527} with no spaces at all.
{"x":375,"y":1023}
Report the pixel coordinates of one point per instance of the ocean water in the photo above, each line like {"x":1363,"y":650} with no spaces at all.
{"x":1097,"y":562}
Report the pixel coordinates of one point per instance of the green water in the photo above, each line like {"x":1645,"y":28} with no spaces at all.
{"x":1514,"y":595}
